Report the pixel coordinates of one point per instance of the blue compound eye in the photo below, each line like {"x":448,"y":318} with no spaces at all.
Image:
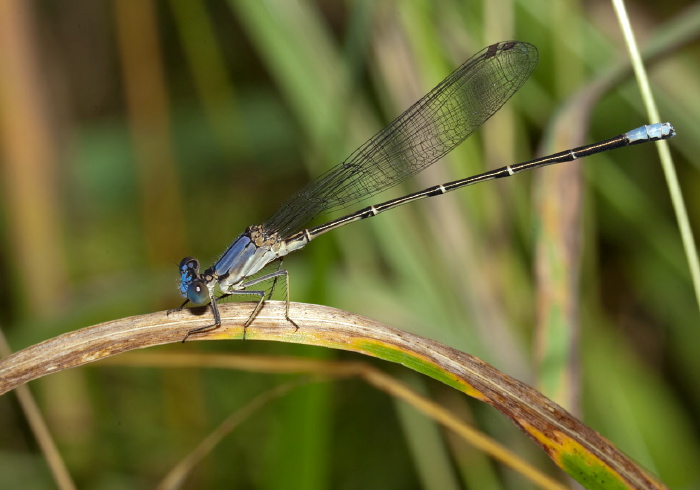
{"x":197,"y":292}
{"x":189,"y":263}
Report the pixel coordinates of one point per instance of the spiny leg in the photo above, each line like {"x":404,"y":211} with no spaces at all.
{"x":252,"y":316}
{"x":217,"y":318}
{"x":274,"y":281}
{"x":244,"y":291}
{"x":272,"y":275}
{"x":286,"y":303}
{"x":179,"y":308}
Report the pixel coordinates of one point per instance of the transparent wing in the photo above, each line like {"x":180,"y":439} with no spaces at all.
{"x":429,"y":129}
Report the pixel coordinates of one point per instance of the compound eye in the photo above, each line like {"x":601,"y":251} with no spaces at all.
{"x":197,"y":292}
{"x":189,"y":263}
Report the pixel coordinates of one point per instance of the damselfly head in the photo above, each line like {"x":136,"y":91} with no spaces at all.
{"x":192,"y":286}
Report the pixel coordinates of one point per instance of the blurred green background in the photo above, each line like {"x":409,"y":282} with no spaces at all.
{"x":135,"y":133}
